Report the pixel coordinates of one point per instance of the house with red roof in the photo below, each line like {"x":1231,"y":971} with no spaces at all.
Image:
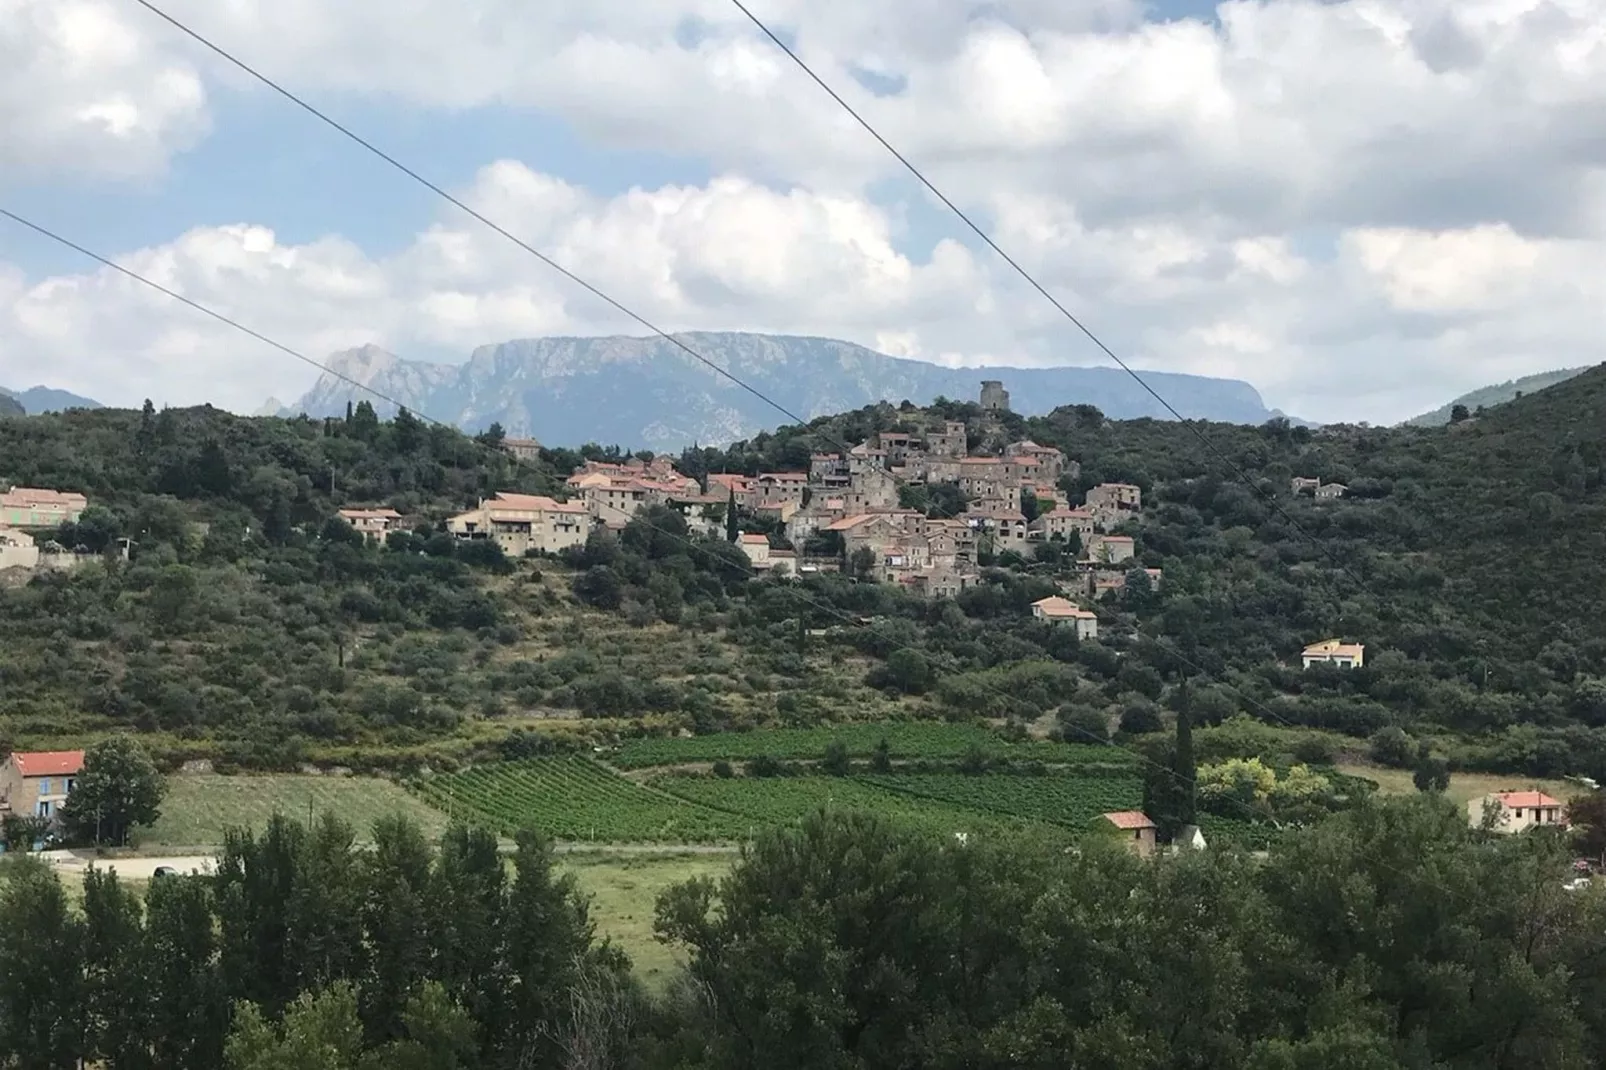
{"x":37,"y":783}
{"x":1517,"y":811}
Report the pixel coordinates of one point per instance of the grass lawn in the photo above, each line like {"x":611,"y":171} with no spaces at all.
{"x":624,"y":890}
{"x":199,"y":808}
{"x":1464,"y":786}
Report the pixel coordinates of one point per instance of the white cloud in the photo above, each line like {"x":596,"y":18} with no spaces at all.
{"x":1360,"y":206}
{"x":1372,"y":334}
{"x":85,"y":91}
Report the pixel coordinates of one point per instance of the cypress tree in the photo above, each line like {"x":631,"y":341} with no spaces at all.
{"x":1183,"y":763}
{"x":731,"y":530}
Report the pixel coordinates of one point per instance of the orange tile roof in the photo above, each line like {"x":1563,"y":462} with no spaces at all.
{"x":1130,"y":820}
{"x":1526,"y":798}
{"x":1055,"y":606}
{"x":370,"y":514}
{"x":49,"y":763}
{"x":754,"y":540}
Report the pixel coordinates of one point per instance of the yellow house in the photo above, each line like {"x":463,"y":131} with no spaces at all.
{"x":1518,"y":811}
{"x":1335,"y":652}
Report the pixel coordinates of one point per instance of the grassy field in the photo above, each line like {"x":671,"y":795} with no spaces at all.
{"x":199,"y":808}
{"x":1463,"y":786}
{"x":624,"y":892}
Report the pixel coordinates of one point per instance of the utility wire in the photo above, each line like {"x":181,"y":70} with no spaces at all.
{"x":418,"y":178}
{"x":449,"y":198}
{"x":823,"y":607}
{"x":1032,"y":281}
{"x":433,"y":187}
{"x":654,"y":328}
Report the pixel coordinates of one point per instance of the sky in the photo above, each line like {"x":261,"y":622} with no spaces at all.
{"x":1362,"y":207}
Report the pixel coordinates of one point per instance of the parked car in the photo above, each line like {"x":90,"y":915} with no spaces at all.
{"x":164,"y":871}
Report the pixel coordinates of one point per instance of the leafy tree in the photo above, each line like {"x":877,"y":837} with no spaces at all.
{"x":1081,"y":724}
{"x":116,"y":983}
{"x":43,"y":1014}
{"x":189,"y":1013}
{"x":1141,"y":719}
{"x":1459,"y":414}
{"x":1586,"y":819}
{"x":1393,"y":747}
{"x":320,"y":1031}
{"x":1431,"y":772}
{"x":881,"y":757}
{"x":836,"y":761}
{"x":119,"y":788}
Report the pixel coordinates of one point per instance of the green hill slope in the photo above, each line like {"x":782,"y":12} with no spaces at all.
{"x":1470,"y":561}
{"x":1497,"y":394}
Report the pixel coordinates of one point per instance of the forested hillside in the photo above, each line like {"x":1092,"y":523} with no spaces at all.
{"x":1471,"y":561}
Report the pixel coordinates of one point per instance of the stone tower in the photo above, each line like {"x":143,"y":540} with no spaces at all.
{"x":994,"y":398}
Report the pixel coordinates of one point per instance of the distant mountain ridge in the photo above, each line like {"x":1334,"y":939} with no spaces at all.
{"x":649,"y":392}
{"x":37,"y":399}
{"x":1495,"y":394}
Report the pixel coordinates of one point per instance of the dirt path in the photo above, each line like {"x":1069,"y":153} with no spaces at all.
{"x":203,"y":859}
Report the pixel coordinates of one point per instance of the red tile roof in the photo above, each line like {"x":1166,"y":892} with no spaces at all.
{"x":1130,"y":819}
{"x":1526,"y":798}
{"x":49,"y":763}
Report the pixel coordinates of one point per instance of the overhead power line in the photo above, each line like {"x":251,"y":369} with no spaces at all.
{"x":439,"y":191}
{"x":1039,"y":287}
{"x":453,"y":200}
{"x":826,"y":608}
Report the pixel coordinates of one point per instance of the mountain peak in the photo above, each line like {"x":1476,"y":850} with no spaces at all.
{"x":636,"y":391}
{"x":362,"y":363}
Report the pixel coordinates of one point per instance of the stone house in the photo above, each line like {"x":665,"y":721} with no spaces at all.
{"x":1108,"y":549}
{"x":1115,"y":498}
{"x":522,"y":449}
{"x":523,"y":522}
{"x":373,"y":524}
{"x":1137,"y":828}
{"x":37,"y":784}
{"x":1057,"y":610}
{"x":17,"y":550}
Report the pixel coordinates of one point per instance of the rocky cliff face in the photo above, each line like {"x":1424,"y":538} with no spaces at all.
{"x":648,"y":392}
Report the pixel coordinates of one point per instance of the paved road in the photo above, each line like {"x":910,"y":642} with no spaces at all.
{"x":138,"y":869}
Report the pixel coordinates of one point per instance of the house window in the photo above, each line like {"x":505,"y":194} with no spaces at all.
{"x":44,"y":786}
{"x":71,"y":784}
{"x":1519,"y":815}
{"x":1137,"y":834}
{"x":44,"y":808}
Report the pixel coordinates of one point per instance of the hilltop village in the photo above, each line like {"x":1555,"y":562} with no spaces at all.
{"x":852,"y":509}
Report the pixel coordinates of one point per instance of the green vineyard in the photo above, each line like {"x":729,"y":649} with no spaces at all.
{"x":575,"y":799}
{"x":766,"y":803}
{"x":580,"y":800}
{"x":905,"y":740}
{"x":1071,"y":801}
